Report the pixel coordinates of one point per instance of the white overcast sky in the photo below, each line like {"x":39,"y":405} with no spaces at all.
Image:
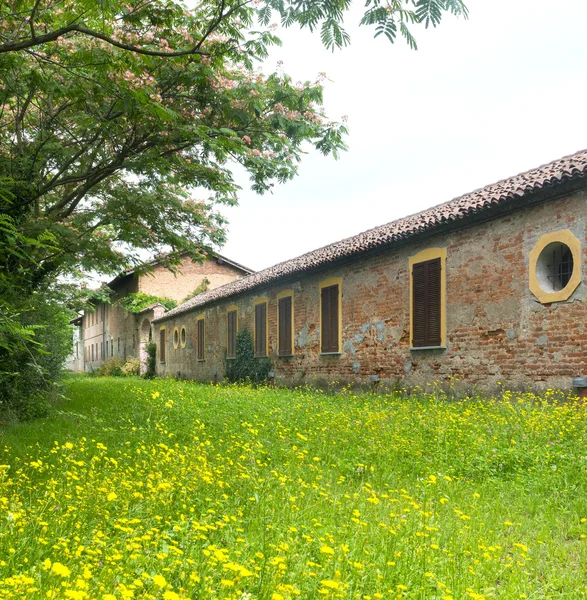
{"x":482,"y":99}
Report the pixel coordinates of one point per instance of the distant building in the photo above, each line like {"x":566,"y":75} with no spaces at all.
{"x":110,"y":331}
{"x":486,"y":288}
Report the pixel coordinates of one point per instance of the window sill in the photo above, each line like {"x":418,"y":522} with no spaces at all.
{"x":427,"y":348}
{"x":330,"y":353}
{"x":201,"y":360}
{"x":231,"y":358}
{"x":260,"y":356}
{"x":285,"y":355}
{"x":161,"y":362}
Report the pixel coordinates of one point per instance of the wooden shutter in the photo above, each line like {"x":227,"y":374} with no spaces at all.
{"x":426,"y":309}
{"x":231,"y":324}
{"x":261,"y":329}
{"x":285,"y":332}
{"x":330,"y":319}
{"x":201,"y":339}
{"x":161,"y":345}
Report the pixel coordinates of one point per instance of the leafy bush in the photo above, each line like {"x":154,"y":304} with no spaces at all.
{"x":151,"y":349}
{"x":245,"y":366}
{"x":112,"y":367}
{"x":131,"y":367}
{"x":135,"y":303}
{"x":30,"y":369}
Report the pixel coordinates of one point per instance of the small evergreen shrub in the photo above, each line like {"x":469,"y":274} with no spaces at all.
{"x":151,"y":349}
{"x":245,"y":367}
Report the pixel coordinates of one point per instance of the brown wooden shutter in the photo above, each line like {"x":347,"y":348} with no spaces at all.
{"x":426,"y":308}
{"x":330,"y":319}
{"x":231,"y":324}
{"x":161,"y":345}
{"x":285,"y":332}
{"x":261,"y":329}
{"x":201,"y":339}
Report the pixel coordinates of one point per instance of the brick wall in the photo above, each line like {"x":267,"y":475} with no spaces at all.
{"x":496,"y":329}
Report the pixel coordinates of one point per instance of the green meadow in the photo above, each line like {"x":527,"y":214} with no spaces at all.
{"x":164,"y":489}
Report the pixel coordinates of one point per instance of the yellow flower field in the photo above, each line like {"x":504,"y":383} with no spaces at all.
{"x":170,"y":490}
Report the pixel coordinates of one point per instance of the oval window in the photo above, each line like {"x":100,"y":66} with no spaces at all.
{"x":175,"y":338}
{"x":554,"y":267}
{"x":183,"y":337}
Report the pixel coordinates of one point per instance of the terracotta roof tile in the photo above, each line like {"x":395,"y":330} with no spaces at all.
{"x":561,"y":170}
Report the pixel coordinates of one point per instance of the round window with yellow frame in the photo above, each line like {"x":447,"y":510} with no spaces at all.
{"x":175,"y":338}
{"x":555,"y":267}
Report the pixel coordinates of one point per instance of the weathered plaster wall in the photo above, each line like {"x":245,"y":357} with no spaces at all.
{"x":496,"y":329}
{"x":162,"y":282}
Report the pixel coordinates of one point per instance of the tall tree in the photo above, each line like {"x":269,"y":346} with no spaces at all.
{"x":111,"y":111}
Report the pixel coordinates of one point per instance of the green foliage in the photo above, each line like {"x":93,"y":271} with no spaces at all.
{"x":200,"y":289}
{"x":245,"y":366}
{"x":118,"y":367}
{"x":31,"y":366}
{"x":135,"y":303}
{"x":111,"y":367}
{"x":151,"y":350}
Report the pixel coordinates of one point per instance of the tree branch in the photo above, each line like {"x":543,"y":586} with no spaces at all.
{"x":74,"y":27}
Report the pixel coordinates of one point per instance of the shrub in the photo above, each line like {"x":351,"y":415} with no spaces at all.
{"x":245,"y":366}
{"x":30,"y":370}
{"x":112,"y":367}
{"x":151,"y":349}
{"x":131,"y":367}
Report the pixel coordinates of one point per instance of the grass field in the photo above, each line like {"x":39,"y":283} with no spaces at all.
{"x":166,"y":489}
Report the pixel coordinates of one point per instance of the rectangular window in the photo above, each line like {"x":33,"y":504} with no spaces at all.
{"x":106,"y":347}
{"x":426,"y":303}
{"x":101,"y":350}
{"x":330,"y":318}
{"x":201,"y":339}
{"x":161,"y":345}
{"x":231,"y":324}
{"x":285,"y":318}
{"x":261,"y":329}
{"x":118,"y":349}
{"x":92,"y":352}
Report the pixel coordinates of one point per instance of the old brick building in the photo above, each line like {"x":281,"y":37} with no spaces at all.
{"x":485,"y":288}
{"x":110,"y":331}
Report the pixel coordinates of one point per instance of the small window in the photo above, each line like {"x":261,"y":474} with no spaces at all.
{"x":330,"y":319}
{"x":101,"y":350}
{"x":111,"y":347}
{"x":554,"y":266}
{"x":426,"y":303}
{"x":201,"y":339}
{"x":175,"y":338}
{"x":106,"y":347}
{"x":161,"y":345}
{"x":183,"y":336}
{"x":92,"y":352}
{"x":118,"y":347}
{"x":231,"y":325}
{"x":285,"y":323}
{"x":261,"y":329}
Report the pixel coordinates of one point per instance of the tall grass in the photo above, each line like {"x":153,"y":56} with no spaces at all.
{"x":162,"y":489}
